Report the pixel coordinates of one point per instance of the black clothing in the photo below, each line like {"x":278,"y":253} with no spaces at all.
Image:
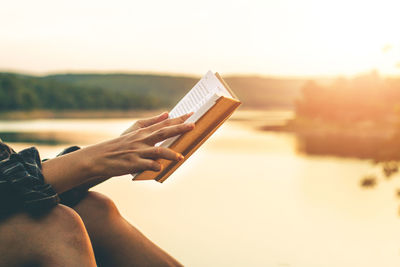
{"x":22,"y":185}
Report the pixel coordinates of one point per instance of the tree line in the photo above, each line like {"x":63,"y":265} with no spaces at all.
{"x":21,"y":92}
{"x":364,"y":98}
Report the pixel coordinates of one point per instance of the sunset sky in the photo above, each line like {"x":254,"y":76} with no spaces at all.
{"x":285,"y":38}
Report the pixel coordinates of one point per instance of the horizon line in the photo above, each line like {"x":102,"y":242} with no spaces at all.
{"x":191,"y":75}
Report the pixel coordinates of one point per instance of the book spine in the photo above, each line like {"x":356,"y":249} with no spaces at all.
{"x":206,"y":126}
{"x":188,"y":143}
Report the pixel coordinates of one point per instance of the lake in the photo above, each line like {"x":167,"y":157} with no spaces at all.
{"x":247,"y":197}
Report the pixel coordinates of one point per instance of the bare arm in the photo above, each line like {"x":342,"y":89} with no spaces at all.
{"x":132,"y":152}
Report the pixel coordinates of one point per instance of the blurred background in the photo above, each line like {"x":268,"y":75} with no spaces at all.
{"x":305,"y":173}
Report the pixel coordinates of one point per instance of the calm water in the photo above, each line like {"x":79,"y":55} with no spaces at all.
{"x":248,"y":198}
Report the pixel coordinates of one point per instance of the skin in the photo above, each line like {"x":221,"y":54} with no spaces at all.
{"x":93,"y":232}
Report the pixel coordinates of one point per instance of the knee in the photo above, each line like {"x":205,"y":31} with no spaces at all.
{"x":99,"y":205}
{"x":67,"y":240}
{"x":64,"y":223}
{"x":45,"y":238}
{"x":65,"y":216}
{"x":57,"y":221}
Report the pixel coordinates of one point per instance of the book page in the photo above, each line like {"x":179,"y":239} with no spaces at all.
{"x":197,"y":115}
{"x":198,"y":100}
{"x":207,"y":87}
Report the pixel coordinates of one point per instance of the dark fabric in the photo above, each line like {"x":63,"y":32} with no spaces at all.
{"x":22,"y":185}
{"x":21,"y":182}
{"x":68,"y":150}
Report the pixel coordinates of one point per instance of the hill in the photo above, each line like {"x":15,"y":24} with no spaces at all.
{"x":254,"y":91}
{"x":266,"y":93}
{"x":132,"y":91}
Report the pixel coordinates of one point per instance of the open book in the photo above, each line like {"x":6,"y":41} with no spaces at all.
{"x":212,"y":102}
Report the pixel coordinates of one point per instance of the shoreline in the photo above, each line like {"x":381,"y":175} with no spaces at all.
{"x":377,"y":141}
{"x":77,"y":114}
{"x":258,"y":114}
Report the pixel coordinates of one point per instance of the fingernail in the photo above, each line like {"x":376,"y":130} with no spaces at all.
{"x":180,"y":156}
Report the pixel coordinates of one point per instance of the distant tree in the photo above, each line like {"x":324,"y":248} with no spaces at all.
{"x":364,"y":98}
{"x":18,"y":92}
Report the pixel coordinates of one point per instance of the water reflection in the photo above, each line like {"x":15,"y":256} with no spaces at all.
{"x":341,"y":145}
{"x":36,"y":138}
{"x":382,"y":148}
{"x":247,"y":198}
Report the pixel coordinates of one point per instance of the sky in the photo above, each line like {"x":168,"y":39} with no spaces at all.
{"x":280,"y":37}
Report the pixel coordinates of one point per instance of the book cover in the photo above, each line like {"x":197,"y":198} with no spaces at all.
{"x":212,"y":102}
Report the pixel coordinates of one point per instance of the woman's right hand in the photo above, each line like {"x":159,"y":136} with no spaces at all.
{"x":135,"y":151}
{"x":132,"y":152}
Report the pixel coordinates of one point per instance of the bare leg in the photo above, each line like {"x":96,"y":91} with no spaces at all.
{"x":115,"y":241}
{"x":58,"y":238}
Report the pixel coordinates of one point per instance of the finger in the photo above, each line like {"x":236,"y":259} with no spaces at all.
{"x":153,"y":120}
{"x":160,"y":152}
{"x":168,"y":132}
{"x":148,"y":164}
{"x":146,"y":122}
{"x":169,"y":122}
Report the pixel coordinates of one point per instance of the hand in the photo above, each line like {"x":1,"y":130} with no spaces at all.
{"x":130,"y":153}
{"x":134,"y":151}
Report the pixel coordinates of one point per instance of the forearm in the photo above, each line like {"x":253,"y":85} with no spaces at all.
{"x":130,"y":153}
{"x":68,"y":171}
